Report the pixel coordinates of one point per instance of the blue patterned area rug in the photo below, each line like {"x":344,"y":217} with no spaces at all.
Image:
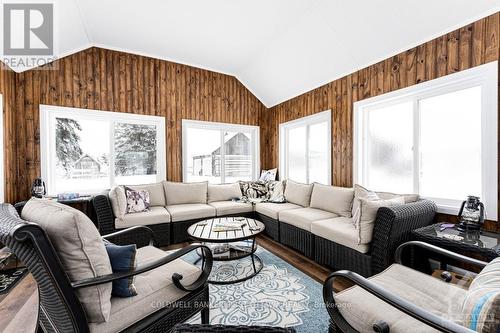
{"x":280,"y":295}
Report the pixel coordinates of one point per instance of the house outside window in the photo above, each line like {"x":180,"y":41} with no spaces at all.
{"x":219,"y":152}
{"x":437,"y":139}
{"x":87,"y":151}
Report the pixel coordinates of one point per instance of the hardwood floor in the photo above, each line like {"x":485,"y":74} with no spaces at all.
{"x":294,"y":258}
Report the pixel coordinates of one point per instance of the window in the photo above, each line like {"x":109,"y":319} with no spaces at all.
{"x":219,"y":153}
{"x":305,"y":153}
{"x":438,"y":139}
{"x":87,"y":151}
{"x":2,"y":173}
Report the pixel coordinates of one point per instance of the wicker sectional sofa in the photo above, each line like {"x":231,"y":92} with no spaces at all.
{"x":317,"y":220}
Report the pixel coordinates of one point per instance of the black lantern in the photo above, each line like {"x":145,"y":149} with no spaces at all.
{"x":38,"y":189}
{"x":471,"y":214}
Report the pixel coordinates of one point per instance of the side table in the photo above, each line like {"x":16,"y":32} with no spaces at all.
{"x":482,"y":245}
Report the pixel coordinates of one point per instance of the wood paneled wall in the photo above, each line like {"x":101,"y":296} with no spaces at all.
{"x":114,"y":81}
{"x":470,"y":46}
{"x":8,"y":91}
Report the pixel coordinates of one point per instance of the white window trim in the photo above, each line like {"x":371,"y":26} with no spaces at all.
{"x":485,"y":76}
{"x":2,"y":149}
{"x":325,"y":116}
{"x":209,"y":125}
{"x":47,"y":140}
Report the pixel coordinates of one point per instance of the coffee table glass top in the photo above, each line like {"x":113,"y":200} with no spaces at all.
{"x":225,"y":229}
{"x":482,"y":239}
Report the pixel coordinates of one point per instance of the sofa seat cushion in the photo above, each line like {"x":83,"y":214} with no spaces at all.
{"x":303,"y":217}
{"x":186,"y":212}
{"x":340,"y":230}
{"x":272,"y":209}
{"x":231,"y":207}
{"x":155,"y":289}
{"x":80,"y":249}
{"x":155,"y":215}
{"x":361,"y":309}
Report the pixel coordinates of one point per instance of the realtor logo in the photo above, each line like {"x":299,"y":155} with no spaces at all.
{"x":28,"y":29}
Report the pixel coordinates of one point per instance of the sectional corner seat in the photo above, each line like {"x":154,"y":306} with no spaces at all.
{"x":316,"y":220}
{"x":173,"y":208}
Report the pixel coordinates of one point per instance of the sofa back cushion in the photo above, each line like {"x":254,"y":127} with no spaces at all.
{"x":185,"y":193}
{"x":223,"y":192}
{"x":481,"y":307}
{"x":80,"y":249}
{"x":118,"y":201}
{"x":156,"y":193}
{"x":333,"y":199}
{"x":297,"y":193}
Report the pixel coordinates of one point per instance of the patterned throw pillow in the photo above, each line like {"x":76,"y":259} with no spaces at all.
{"x":267,"y":175}
{"x":276,"y":192}
{"x":137,"y":201}
{"x":481,"y":307}
{"x":122,"y":259}
{"x":253,"y":191}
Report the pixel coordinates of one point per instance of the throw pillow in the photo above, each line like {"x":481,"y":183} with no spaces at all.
{"x":137,"y":201}
{"x":253,"y":191}
{"x":122,"y":259}
{"x":267,"y":175}
{"x":368,"y":214}
{"x":276,"y":192}
{"x":481,"y":307}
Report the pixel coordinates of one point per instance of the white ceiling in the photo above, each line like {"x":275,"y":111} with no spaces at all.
{"x":277,"y":48}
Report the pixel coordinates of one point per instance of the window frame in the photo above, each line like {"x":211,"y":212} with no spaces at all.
{"x":284,"y":128}
{"x":47,"y":139}
{"x":2,"y":152}
{"x":222,"y":127}
{"x":485,"y":76}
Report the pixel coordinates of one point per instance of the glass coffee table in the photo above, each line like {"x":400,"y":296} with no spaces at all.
{"x":231,"y":240}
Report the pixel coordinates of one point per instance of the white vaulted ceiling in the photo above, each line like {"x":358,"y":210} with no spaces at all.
{"x":277,"y":48}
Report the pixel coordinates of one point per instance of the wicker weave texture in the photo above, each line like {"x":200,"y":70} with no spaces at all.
{"x":298,"y":239}
{"x":272,"y":226}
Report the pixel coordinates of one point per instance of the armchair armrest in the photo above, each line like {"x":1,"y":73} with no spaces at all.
{"x":401,"y":304}
{"x":393,"y":226}
{"x":435,"y":249}
{"x":176,"y":277}
{"x":152,"y":239}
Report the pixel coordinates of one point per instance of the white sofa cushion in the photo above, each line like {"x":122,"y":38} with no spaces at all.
{"x":272,"y":209}
{"x":185,"y":193}
{"x":340,"y":230}
{"x":223,"y":192}
{"x":361,"y":192}
{"x":155,"y":290}
{"x":155,"y":215}
{"x":362,"y":309}
{"x":297,"y":193}
{"x":185,"y":212}
{"x":231,"y":207}
{"x":333,"y":199}
{"x":80,"y":248}
{"x":303,"y":217}
{"x":368,"y":214}
{"x":156,"y":193}
{"x":118,"y":201}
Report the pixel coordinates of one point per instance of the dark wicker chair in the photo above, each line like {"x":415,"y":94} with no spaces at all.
{"x":393,"y":226}
{"x":60,"y":310}
{"x":339,"y":324}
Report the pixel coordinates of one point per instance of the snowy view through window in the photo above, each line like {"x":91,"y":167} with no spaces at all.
{"x":86,"y":159}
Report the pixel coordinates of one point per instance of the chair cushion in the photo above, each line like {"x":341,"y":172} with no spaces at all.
{"x":156,"y":193}
{"x":231,"y":207}
{"x":190,"y":212}
{"x":297,"y":193}
{"x":272,"y":209}
{"x":155,"y":290}
{"x":303,"y":217}
{"x":185,"y":193}
{"x":361,"y":309}
{"x":155,"y":215}
{"x":80,"y":248}
{"x":340,"y":230}
{"x":481,"y":308}
{"x":118,"y":201}
{"x":224,"y":192}
{"x":368,"y":214}
{"x":333,"y":199}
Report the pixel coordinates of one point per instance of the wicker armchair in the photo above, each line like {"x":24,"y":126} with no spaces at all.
{"x":60,"y":309}
{"x":400,"y":302}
